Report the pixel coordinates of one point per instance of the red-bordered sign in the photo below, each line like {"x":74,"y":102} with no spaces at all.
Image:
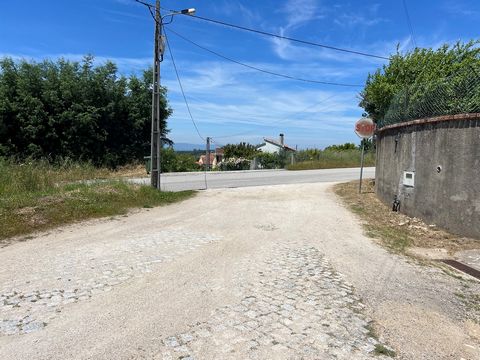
{"x":365,"y":128}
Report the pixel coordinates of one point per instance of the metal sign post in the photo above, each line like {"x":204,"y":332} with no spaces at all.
{"x":361,"y":167}
{"x":364,"y":128}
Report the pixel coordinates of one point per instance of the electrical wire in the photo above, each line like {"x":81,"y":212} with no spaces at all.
{"x":182,"y":90}
{"x":186,"y":102}
{"x":259,"y":69}
{"x":409,"y":22}
{"x":305,"y":42}
{"x":144,"y":3}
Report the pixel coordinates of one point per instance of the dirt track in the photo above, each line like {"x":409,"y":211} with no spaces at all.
{"x":267,"y":272}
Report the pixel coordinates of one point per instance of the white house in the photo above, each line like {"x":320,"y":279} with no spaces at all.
{"x":273,"y":146}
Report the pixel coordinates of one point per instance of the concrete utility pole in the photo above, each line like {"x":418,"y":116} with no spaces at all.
{"x":156,"y":139}
{"x":207,"y":159}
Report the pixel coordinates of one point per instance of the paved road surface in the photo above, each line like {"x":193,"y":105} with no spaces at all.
{"x":275,"y":272}
{"x":232,"y":179}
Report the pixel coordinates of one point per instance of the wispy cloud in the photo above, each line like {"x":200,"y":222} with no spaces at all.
{"x":236,"y":8}
{"x":300,"y":12}
{"x":353,"y":19}
{"x":460,"y":8}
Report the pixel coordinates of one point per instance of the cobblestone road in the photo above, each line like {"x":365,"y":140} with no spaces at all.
{"x":299,"y":308}
{"x":29,"y":303}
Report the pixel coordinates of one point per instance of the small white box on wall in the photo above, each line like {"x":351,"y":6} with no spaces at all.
{"x":409,"y":178}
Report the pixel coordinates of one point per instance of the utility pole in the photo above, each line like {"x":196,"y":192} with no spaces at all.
{"x":156,"y":138}
{"x":207,"y":159}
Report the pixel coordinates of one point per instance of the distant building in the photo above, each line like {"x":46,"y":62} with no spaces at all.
{"x":274,"y":147}
{"x":216,"y":157}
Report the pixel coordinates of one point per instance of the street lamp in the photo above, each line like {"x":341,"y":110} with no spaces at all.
{"x":156,"y":140}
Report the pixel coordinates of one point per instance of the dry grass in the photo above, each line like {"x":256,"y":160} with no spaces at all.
{"x":38,"y":196}
{"x":328,"y":159}
{"x":396,"y":231}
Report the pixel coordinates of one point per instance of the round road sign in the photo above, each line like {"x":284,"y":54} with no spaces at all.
{"x":365,"y":128}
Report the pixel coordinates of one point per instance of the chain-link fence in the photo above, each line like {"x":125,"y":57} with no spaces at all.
{"x":457,"y":94}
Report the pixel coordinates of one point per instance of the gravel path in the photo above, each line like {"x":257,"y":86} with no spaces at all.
{"x":280,"y":272}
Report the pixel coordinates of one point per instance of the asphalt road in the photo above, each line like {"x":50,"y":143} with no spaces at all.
{"x":234,"y":179}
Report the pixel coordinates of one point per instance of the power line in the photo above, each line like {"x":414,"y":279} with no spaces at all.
{"x":409,"y":22}
{"x":181,"y":88}
{"x":144,"y":3}
{"x":305,"y":42}
{"x":259,"y":69}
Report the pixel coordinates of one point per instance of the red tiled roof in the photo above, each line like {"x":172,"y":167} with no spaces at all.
{"x":203,"y":159}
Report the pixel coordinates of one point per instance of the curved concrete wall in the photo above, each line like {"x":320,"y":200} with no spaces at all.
{"x":441,"y":156}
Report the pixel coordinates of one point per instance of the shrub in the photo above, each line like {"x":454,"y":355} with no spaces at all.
{"x":234,"y":164}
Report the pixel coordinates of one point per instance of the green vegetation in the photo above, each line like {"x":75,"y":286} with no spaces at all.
{"x":232,"y":164}
{"x":75,"y":110}
{"x":241,"y":150}
{"x":329,"y":159}
{"x":271,"y":161}
{"x":173,"y":161}
{"x":38,"y":195}
{"x":383,"y":350}
{"x":395,"y":238}
{"x":425,"y":82}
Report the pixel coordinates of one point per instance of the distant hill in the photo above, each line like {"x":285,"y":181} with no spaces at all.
{"x":188,"y":147}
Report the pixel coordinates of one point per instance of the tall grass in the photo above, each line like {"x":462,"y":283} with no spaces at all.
{"x":36,"y":195}
{"x":328,"y":159}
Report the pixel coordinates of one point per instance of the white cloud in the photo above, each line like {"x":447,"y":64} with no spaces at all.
{"x":461,"y":9}
{"x":300,"y":12}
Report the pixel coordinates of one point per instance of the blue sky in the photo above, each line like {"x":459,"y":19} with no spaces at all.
{"x":231,"y":103}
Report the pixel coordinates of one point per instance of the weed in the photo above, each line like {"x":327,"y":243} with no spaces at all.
{"x":371,"y":331}
{"x":382,"y":350}
{"x":37,"y":196}
{"x":394,"y":230}
{"x":328,"y":159}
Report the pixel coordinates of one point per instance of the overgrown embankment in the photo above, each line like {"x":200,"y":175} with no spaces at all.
{"x":328,"y":159}
{"x":37,"y":196}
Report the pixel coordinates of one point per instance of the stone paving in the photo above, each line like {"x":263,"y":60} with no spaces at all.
{"x":298,"y":308}
{"x":29,"y":304}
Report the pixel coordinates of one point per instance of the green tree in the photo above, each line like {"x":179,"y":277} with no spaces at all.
{"x":76,"y":110}
{"x":241,"y":150}
{"x":172,"y":161}
{"x":421,"y":70}
{"x":343,"y":147}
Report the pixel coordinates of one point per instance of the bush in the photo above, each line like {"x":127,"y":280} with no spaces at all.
{"x":328,"y":159}
{"x":175,"y":162}
{"x":271,"y":161}
{"x":234,"y":164}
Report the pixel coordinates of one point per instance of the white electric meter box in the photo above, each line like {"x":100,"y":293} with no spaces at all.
{"x":409,"y":178}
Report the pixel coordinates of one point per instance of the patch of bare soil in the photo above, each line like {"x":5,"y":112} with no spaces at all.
{"x":397,"y":231}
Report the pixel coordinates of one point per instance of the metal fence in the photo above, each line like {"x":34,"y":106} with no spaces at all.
{"x":457,"y":94}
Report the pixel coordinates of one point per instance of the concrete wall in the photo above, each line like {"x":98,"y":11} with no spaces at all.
{"x":444,"y":155}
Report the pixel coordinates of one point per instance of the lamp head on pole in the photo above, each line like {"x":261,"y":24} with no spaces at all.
{"x":190,"y":11}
